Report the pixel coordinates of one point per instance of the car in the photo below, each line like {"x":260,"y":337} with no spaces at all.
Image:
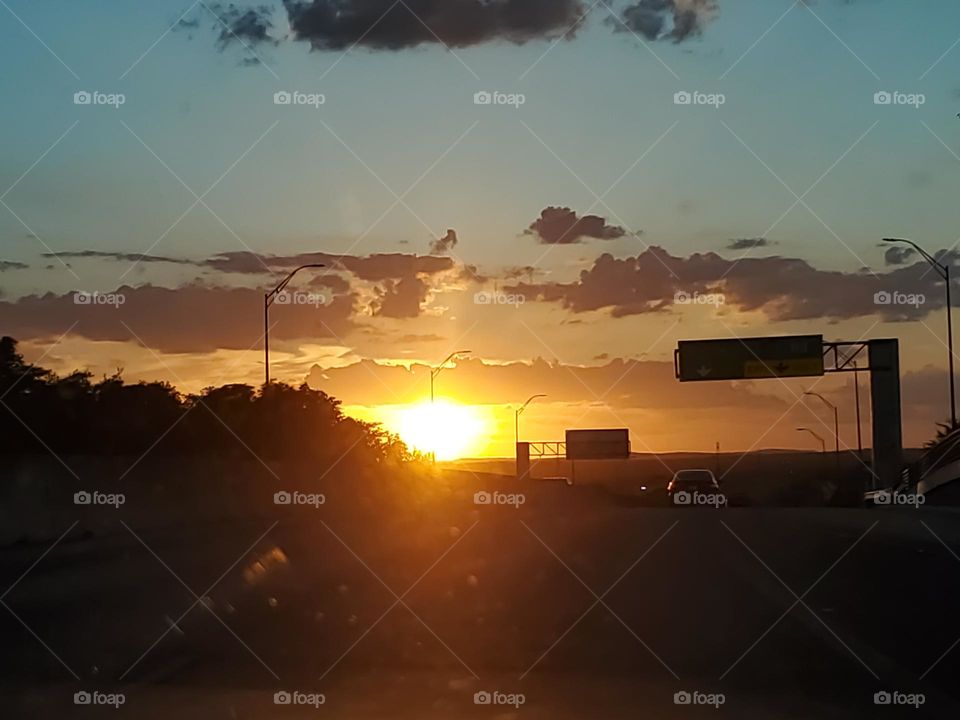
{"x":695,"y":487}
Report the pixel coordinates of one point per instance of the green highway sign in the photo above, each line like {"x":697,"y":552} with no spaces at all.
{"x":605,"y":444}
{"x":749,"y":358}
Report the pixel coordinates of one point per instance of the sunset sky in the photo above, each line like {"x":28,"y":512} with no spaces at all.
{"x":553,"y":232}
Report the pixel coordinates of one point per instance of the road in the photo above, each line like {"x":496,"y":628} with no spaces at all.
{"x":582,"y":606}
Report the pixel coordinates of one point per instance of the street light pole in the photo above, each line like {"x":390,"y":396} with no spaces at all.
{"x":433,"y":375}
{"x":836,"y":419}
{"x":436,"y":371}
{"x":268,"y":299}
{"x":518,"y":413}
{"x":943,"y":270}
{"x":823,"y":445}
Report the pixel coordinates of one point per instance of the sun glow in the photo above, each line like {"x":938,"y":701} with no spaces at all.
{"x":450,"y":430}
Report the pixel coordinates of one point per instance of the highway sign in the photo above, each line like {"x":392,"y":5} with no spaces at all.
{"x":750,"y":358}
{"x":598,"y":444}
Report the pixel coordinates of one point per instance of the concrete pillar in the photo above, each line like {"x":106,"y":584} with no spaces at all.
{"x":523,"y":460}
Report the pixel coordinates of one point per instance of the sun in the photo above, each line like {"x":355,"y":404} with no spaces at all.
{"x":449,"y":430}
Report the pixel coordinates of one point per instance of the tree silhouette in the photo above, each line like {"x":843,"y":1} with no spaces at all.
{"x":42,"y":412}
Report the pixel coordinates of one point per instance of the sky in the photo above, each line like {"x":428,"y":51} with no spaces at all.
{"x":557,"y":231}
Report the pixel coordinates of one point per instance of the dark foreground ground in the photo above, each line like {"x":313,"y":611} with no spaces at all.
{"x":404,"y":605}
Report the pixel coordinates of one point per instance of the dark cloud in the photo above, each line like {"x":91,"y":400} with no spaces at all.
{"x":782,"y":288}
{"x":527,"y":271}
{"x":898,"y":255}
{"x":6,"y":265}
{"x":441,"y":246}
{"x":561,"y":226}
{"x":400,"y":298}
{"x":190,"y":318}
{"x":747,"y":243}
{"x":126,"y":257}
{"x":383,"y":266}
{"x":389,"y":25}
{"x":675,"y":20}
{"x":243,"y":25}
{"x":401,"y":277}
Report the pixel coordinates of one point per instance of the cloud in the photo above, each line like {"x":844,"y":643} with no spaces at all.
{"x":243,"y":25}
{"x":400,"y":299}
{"x":675,"y":20}
{"x":638,"y":384}
{"x":747,"y":243}
{"x":421,"y":338}
{"x":190,"y":318}
{"x":6,"y":265}
{"x":389,"y":25}
{"x":441,"y":246}
{"x":561,"y":226}
{"x":126,"y":257}
{"x":898,"y":255}
{"x":782,"y":288}
{"x":381,"y":266}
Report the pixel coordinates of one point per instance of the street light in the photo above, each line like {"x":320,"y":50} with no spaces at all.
{"x":943,"y":270}
{"x":268,"y":299}
{"x":836,"y":423}
{"x":836,"y":419}
{"x":433,"y":374}
{"x":823,"y":445}
{"x":518,"y":413}
{"x":436,"y":371}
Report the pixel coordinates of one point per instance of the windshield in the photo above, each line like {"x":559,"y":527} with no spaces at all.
{"x":479,"y":359}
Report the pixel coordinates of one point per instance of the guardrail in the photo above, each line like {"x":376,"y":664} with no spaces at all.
{"x":938,"y":466}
